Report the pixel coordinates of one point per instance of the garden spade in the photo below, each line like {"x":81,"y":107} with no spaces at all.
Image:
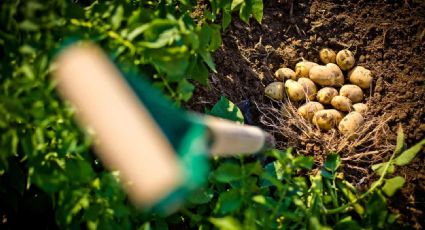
{"x":161,"y":151}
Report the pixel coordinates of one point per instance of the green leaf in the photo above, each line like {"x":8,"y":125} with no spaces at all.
{"x":226,"y":223}
{"x":227,"y":18}
{"x":201,"y":196}
{"x":206,"y":56}
{"x":257,"y":10}
{"x":259,"y":199}
{"x":407,"y":156}
{"x":333,"y":161}
{"x":379,"y":168}
{"x":245,"y":12}
{"x":117,"y":17}
{"x":215,"y":42}
{"x":229,"y":201}
{"x":199,"y":71}
{"x":227,"y":172}
{"x":400,"y":140}
{"x":392,"y":185}
{"x":227,"y":110}
{"x":347,"y":223}
{"x":377,"y":210}
{"x":184,"y":90}
{"x":304,"y":162}
{"x":236,"y":3}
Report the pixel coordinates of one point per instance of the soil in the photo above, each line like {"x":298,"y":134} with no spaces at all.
{"x":387,"y":37}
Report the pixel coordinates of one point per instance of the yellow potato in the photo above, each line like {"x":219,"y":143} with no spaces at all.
{"x":294,"y":90}
{"x":326,"y":94}
{"x":309,"y":87}
{"x":353,"y":92}
{"x":322,"y":75}
{"x":275,"y":90}
{"x":341,"y":103}
{"x":345,"y":59}
{"x":350,"y":123}
{"x":327,"y":119}
{"x":308,"y":110}
{"x":327,"y":55}
{"x":360,"y":76}
{"x":302,"y":69}
{"x":361,"y":108}
{"x":284,"y":73}
{"x":339,"y":76}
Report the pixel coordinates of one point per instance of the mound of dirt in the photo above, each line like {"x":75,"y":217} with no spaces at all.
{"x":386,"y":37}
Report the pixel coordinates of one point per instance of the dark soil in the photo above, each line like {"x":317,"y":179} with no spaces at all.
{"x":387,"y":37}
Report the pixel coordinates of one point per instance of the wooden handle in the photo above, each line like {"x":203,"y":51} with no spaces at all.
{"x":126,"y":137}
{"x":230,"y":138}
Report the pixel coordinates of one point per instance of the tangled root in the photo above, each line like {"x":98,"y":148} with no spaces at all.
{"x":371,"y":146}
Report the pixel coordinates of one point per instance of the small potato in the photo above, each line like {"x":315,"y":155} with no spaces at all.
{"x":327,"y":55}
{"x":322,"y":75}
{"x":350,"y":123}
{"x":302,"y":69}
{"x":294,"y":90}
{"x":275,"y":90}
{"x":326,"y":94}
{"x":345,"y":59}
{"x":284,"y":73}
{"x":309,"y":87}
{"x":353,"y":92}
{"x":360,"y":76}
{"x":339,"y":76}
{"x":361,"y":108}
{"x":341,"y":103}
{"x":308,"y":110}
{"x":327,"y":119}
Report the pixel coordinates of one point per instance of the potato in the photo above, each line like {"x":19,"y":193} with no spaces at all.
{"x":361,"y":108}
{"x":322,"y":75}
{"x":360,"y":76}
{"x":327,"y":119}
{"x":284,"y":73}
{"x":302,"y":69}
{"x":327,"y":55}
{"x":341,"y":103}
{"x":345,"y":59}
{"x":350,"y":123}
{"x":339,"y":76}
{"x":275,"y":90}
{"x":309,"y":87}
{"x":353,"y":92}
{"x":308,"y":110}
{"x":294,"y":90}
{"x":326,"y":94}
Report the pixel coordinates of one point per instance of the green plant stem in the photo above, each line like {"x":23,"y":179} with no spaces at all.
{"x":371,"y":189}
{"x":333,"y":194}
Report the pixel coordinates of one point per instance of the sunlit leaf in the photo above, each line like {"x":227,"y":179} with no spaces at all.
{"x":392,"y":185}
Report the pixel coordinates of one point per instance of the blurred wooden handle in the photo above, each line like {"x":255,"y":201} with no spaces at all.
{"x":126,"y":137}
{"x":230,"y":138}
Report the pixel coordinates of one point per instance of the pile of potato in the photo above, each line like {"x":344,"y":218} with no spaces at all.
{"x":330,"y":103}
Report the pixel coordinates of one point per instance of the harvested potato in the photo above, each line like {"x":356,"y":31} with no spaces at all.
{"x":327,"y":119}
{"x":350,"y":123}
{"x":294,"y":90}
{"x":284,"y":73}
{"x":345,"y":59}
{"x":309,"y":87}
{"x":353,"y":92}
{"x":341,"y":103}
{"x":360,"y":76}
{"x":326,"y":94}
{"x":275,"y":90}
{"x":308,"y":110}
{"x":361,"y":108}
{"x":339,"y":76}
{"x":302,"y":69}
{"x":322,"y":75}
{"x":327,"y":55}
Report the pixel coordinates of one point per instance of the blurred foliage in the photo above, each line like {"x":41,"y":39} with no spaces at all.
{"x":48,"y":174}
